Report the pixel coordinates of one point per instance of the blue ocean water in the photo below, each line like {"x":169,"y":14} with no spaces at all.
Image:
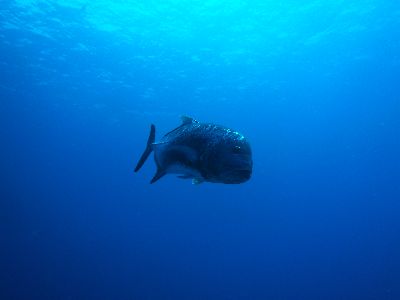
{"x":314,"y":85}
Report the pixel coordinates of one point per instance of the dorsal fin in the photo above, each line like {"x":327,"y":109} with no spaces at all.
{"x":188,"y":120}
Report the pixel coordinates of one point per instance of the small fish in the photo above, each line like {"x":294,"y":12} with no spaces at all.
{"x":202,"y":152}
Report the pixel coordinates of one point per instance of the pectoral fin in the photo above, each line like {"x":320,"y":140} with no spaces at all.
{"x":197,"y":181}
{"x":185,"y":176}
{"x":182,"y":154}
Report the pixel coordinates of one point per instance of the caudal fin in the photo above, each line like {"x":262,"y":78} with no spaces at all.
{"x":149,"y":148}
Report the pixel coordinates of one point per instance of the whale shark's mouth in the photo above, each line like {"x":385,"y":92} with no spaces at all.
{"x":237,"y":176}
{"x":245,"y":174}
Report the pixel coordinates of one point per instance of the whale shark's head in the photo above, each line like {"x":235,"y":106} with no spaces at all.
{"x":229,"y":160}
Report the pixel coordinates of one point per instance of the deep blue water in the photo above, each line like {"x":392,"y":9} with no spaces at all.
{"x":314,"y":85}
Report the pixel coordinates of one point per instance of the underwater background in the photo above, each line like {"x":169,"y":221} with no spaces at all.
{"x":314,"y":85}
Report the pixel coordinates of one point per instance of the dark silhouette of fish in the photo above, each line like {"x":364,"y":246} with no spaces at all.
{"x":201,"y":152}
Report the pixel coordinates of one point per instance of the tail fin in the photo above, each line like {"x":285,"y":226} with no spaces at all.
{"x":149,"y":148}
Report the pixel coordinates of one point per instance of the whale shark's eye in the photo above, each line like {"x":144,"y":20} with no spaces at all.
{"x":237,"y":149}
